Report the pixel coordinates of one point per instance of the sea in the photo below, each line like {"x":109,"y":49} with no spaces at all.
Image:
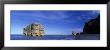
{"x":57,"y":37}
{"x":45,"y":37}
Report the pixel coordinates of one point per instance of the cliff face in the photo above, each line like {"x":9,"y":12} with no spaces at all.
{"x":92,"y":26}
{"x":33,"y":30}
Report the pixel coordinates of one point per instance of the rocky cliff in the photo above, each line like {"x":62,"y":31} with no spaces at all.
{"x":92,"y":26}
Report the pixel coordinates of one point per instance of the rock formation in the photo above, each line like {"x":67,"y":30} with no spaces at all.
{"x":92,"y":26}
{"x":91,"y":30}
{"x":33,"y":30}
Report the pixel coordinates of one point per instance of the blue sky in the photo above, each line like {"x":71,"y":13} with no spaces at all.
{"x":55,"y":22}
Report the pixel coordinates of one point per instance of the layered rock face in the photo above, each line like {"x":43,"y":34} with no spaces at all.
{"x":33,"y":30}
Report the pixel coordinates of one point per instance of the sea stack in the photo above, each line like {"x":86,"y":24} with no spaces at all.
{"x":34,"y":29}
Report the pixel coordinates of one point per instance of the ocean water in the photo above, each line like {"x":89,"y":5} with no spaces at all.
{"x":57,"y":37}
{"x":45,"y":37}
{"x":88,"y":37}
